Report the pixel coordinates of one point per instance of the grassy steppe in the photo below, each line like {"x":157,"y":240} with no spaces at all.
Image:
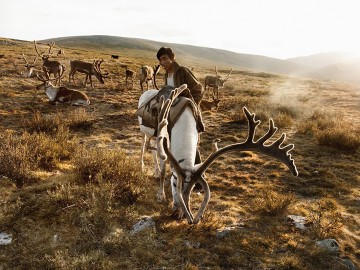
{"x":71,"y":187}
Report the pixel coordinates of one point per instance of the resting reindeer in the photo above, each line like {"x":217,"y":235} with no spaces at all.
{"x":62,"y":94}
{"x":216,"y":82}
{"x":89,"y":69}
{"x":206,"y":105}
{"x":147,"y":74}
{"x":50,"y":66}
{"x":179,"y":147}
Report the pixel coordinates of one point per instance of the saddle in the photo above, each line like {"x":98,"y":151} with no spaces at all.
{"x":150,"y":110}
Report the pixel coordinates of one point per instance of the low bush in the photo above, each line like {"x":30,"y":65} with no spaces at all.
{"x":100,"y":166}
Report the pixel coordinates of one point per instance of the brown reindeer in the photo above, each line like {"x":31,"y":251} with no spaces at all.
{"x":206,"y":105}
{"x":129,"y":74}
{"x":216,"y":82}
{"x":62,"y":94}
{"x":89,"y":69}
{"x":50,"y":66}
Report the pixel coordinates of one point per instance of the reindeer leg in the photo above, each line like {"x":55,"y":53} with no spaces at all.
{"x":156,"y":160}
{"x":161,"y":192}
{"x":86,"y":78}
{"x":143,"y":143}
{"x":91,"y":85}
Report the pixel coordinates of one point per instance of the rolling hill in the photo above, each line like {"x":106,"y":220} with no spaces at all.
{"x":331,"y":66}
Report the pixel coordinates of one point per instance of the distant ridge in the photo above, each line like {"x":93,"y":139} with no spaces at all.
{"x":322,"y":66}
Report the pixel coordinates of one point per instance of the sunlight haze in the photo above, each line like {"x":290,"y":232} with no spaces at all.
{"x":279,"y":28}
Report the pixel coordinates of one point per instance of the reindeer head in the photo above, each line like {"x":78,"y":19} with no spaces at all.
{"x":98,"y":74}
{"x":29,"y":66}
{"x":220,"y":81}
{"x":44,"y":56}
{"x":46,"y":81}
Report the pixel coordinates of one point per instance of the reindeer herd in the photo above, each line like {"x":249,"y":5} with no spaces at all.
{"x":176,"y":143}
{"x":52,"y":72}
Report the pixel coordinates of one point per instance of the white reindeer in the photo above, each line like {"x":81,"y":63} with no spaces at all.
{"x":180,"y":150}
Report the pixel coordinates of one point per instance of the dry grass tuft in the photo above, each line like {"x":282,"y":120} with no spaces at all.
{"x":332,"y":130}
{"x":75,"y":120}
{"x":21,"y":154}
{"x":325,"y":219}
{"x":113,"y":168}
{"x":271,"y":202}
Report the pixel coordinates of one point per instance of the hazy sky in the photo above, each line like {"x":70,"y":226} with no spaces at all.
{"x":274,"y":28}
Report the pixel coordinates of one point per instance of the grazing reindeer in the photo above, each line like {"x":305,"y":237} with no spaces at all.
{"x":206,"y":105}
{"x":89,"y":69}
{"x":147,"y":74}
{"x":216,"y":82}
{"x":62,"y":94}
{"x":179,"y":144}
{"x":50,"y":66}
{"x":32,"y":71}
{"x":129,"y":74}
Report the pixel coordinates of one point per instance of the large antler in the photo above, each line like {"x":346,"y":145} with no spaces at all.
{"x":163,"y":118}
{"x":156,"y":70}
{"x":41,"y":78}
{"x":274,"y":150}
{"x":165,"y":153}
{"x":184,"y":200}
{"x":50,"y":47}
{"x":97,"y":66}
{"x":26,"y":62}
{"x":163,"y":146}
{"x":36,"y":50}
{"x":227,"y":77}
